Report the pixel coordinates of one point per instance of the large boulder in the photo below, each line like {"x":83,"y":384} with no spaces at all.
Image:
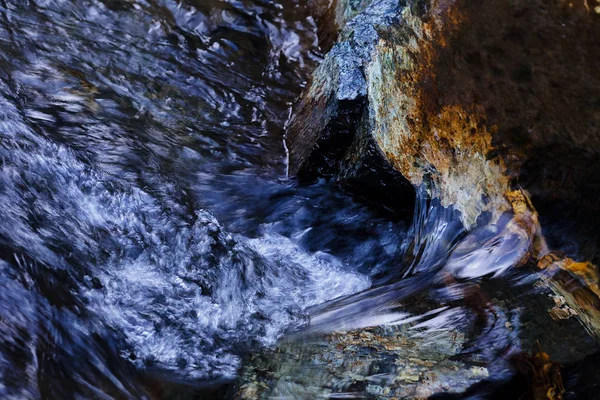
{"x":467,"y":98}
{"x":489,"y":108}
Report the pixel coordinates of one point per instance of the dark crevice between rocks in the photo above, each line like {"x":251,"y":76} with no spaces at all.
{"x":334,"y":141}
{"x":570,"y":218}
{"x":345,"y":153}
{"x":366,"y":173}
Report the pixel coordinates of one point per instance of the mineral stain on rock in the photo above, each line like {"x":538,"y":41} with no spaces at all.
{"x":468,"y":98}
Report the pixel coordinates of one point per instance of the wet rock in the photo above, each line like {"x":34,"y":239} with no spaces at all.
{"x":465,"y":98}
{"x":329,"y":132}
{"x":489,"y":107}
{"x":369,"y":363}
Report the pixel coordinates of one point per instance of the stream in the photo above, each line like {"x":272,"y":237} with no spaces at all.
{"x":149,"y":231}
{"x":149,"y":234}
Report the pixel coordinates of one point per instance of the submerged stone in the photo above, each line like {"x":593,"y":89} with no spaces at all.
{"x":491,"y":340}
{"x":372,"y":363}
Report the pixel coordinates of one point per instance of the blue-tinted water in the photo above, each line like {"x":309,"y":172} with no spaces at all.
{"x":148,"y":229}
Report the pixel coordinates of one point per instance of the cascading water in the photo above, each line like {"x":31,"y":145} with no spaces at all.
{"x":149,"y":235}
{"x":122,"y":125}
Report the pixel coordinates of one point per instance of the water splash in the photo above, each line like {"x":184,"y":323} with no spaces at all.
{"x":120,"y":124}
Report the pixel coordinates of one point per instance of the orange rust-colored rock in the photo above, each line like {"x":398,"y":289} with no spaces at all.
{"x":468,"y":97}
{"x":586,"y":272}
{"x":576,"y":283}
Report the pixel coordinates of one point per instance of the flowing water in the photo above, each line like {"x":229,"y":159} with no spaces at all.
{"x":149,"y":234}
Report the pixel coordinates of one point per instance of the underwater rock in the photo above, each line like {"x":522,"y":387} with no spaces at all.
{"x":369,"y":363}
{"x":428,"y":349}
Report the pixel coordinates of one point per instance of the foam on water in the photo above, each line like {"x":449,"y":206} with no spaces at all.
{"x":120,"y":124}
{"x":183,"y":293}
